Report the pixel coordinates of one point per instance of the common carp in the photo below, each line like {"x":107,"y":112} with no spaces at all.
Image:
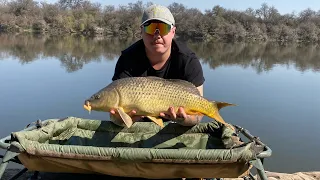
{"x":149,"y":96}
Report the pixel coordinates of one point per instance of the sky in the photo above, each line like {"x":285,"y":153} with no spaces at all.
{"x":283,"y":6}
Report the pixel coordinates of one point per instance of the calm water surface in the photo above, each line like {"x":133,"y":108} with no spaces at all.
{"x":276,"y":88}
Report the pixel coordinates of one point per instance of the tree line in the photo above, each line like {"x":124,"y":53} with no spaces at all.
{"x":216,"y":24}
{"x":75,"y":51}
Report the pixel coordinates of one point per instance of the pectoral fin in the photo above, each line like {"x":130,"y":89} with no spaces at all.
{"x":158,"y":121}
{"x":125,"y":117}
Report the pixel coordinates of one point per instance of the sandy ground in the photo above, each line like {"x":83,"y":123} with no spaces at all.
{"x":53,"y":176}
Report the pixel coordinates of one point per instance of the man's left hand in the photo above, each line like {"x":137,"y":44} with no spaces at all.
{"x":181,"y":116}
{"x":172,"y":115}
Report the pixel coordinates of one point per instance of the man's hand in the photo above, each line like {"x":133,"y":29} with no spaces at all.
{"x":181,"y":116}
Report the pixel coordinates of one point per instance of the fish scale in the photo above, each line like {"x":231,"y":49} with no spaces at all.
{"x":167,"y":94}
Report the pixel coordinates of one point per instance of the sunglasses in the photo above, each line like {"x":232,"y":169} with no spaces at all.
{"x":151,"y":28}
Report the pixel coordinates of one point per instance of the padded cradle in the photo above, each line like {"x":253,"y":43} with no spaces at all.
{"x":76,"y":145}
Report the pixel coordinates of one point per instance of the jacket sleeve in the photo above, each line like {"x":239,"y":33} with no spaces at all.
{"x":194,"y":71}
{"x":121,"y":69}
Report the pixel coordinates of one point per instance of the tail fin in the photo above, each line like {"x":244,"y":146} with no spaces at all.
{"x":216,"y":114}
{"x":222,"y":104}
{"x":217,"y":117}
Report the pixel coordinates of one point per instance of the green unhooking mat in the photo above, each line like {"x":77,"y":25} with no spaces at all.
{"x":144,"y":150}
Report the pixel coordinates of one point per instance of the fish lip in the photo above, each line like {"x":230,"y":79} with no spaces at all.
{"x":87,"y":105}
{"x":87,"y":102}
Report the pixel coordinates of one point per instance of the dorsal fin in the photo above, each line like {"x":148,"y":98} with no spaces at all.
{"x":182,"y":82}
{"x":186,"y":85}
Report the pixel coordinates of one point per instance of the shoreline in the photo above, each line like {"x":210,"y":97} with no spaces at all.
{"x":137,"y":37}
{"x":306,"y":175}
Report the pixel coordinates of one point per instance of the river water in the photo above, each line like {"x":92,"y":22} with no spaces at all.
{"x":276,"y":87}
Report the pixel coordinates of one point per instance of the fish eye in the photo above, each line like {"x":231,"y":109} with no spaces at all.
{"x":96,"y":96}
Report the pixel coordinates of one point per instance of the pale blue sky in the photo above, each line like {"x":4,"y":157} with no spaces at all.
{"x":284,"y":6}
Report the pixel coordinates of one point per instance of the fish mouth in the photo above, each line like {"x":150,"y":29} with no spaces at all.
{"x":87,"y":106}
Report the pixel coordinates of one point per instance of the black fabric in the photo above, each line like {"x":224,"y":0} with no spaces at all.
{"x":182,"y":64}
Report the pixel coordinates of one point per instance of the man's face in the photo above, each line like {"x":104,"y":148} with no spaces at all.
{"x":157,"y":36}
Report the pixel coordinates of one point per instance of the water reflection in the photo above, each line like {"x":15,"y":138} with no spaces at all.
{"x":76,"y":51}
{"x":72,"y":51}
{"x":260,"y":56}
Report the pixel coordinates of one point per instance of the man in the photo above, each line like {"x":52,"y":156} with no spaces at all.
{"x":158,"y":54}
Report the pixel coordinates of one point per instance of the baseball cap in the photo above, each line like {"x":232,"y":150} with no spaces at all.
{"x":158,"y":12}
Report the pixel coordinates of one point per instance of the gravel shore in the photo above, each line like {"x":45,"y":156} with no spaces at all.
{"x":314,"y":175}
